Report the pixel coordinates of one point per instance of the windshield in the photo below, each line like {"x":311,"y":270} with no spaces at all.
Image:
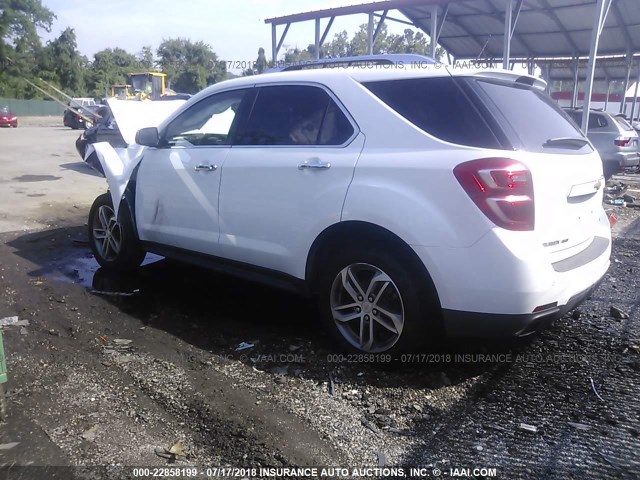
{"x":141,"y":83}
{"x":4,"y":109}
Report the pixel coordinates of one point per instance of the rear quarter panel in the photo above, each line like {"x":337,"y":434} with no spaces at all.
{"x":404,"y":178}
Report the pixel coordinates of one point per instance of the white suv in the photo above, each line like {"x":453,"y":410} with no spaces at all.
{"x":409,"y":202}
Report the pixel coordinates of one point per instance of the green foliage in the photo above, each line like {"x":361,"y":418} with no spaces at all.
{"x":20,"y":44}
{"x":110,"y":67}
{"x":410,"y":41}
{"x":261,"y":63}
{"x":297,"y":56}
{"x":190,"y":66}
{"x":18,"y":22}
{"x":64,"y":64}
{"x":145,"y":58}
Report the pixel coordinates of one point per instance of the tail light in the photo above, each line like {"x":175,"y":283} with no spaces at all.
{"x":78,"y":117}
{"x":622,"y":141}
{"x":502,"y":189}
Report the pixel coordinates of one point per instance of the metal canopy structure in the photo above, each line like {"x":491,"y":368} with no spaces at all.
{"x":607,"y":68}
{"x":578,"y":30}
{"x":542,"y":28}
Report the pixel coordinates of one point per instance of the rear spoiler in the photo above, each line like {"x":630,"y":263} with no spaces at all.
{"x":507,"y":76}
{"x":503,"y":75}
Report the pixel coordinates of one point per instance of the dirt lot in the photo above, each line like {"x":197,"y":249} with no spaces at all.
{"x":111,"y":371}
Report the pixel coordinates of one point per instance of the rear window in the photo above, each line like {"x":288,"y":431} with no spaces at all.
{"x":439,"y":107}
{"x":595,"y":120}
{"x":532,"y":116}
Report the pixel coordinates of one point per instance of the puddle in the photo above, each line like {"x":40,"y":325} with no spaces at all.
{"x":85,"y":271}
{"x":36,"y":178}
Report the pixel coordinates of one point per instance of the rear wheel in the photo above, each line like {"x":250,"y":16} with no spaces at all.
{"x":112,"y":239}
{"x":374,"y":300}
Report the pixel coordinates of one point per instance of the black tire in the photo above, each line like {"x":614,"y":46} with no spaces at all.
{"x":129,"y":255}
{"x":418,"y":298}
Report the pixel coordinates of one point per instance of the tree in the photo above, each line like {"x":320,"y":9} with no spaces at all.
{"x":338,"y":47}
{"x":61,"y":58}
{"x":110,"y":67}
{"x":20,"y":45}
{"x":145,"y":59}
{"x":358,"y":44}
{"x":410,"y":41}
{"x":19,"y":21}
{"x":189,"y":66}
{"x":292,"y":56}
{"x":261,"y":62}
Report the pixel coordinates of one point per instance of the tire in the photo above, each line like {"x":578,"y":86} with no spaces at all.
{"x":113,"y":243}
{"x":402,"y":291}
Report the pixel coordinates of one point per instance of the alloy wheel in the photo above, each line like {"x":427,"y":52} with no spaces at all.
{"x":107,"y":234}
{"x":367,"y":307}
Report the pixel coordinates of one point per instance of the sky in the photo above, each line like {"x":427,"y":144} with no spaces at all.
{"x":234,"y":29}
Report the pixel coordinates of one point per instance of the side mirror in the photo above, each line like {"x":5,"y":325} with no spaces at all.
{"x":148,"y":137}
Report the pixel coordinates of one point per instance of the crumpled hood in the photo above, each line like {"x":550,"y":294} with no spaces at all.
{"x":118,"y":163}
{"x":131,"y":115}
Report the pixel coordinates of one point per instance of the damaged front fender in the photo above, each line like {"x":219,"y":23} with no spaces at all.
{"x":117,"y":163}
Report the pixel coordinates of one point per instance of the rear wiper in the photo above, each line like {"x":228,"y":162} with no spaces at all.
{"x":576,"y":142}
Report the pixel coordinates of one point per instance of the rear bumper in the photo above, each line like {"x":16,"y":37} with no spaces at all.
{"x":626,"y":159}
{"x":490,"y":325}
{"x":508,"y":283}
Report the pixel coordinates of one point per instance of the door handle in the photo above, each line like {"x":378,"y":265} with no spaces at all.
{"x":314,"y":164}
{"x":205,"y":168}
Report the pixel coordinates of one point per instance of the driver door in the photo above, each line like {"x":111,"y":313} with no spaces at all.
{"x":178,"y":183}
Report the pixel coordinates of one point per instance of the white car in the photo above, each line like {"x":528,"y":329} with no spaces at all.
{"x":410,"y":203}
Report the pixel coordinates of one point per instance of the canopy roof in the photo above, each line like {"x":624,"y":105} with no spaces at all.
{"x":607,"y":68}
{"x":475,"y":28}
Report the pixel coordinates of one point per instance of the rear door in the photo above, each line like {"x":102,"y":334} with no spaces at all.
{"x":567,"y":176}
{"x":286,"y":176}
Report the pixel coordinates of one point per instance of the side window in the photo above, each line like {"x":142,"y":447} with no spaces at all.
{"x":208,"y":122}
{"x":437,"y":106}
{"x":336,"y":128}
{"x":295,"y":115}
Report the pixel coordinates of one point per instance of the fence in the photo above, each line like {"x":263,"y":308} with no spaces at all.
{"x":32,"y":108}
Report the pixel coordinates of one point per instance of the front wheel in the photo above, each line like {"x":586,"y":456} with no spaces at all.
{"x":112,"y":239}
{"x":375,"y":301}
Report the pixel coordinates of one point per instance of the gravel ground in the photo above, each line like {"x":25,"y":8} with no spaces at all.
{"x":117,"y":371}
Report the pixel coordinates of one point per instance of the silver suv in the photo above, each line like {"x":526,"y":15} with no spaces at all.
{"x":616,"y":142}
